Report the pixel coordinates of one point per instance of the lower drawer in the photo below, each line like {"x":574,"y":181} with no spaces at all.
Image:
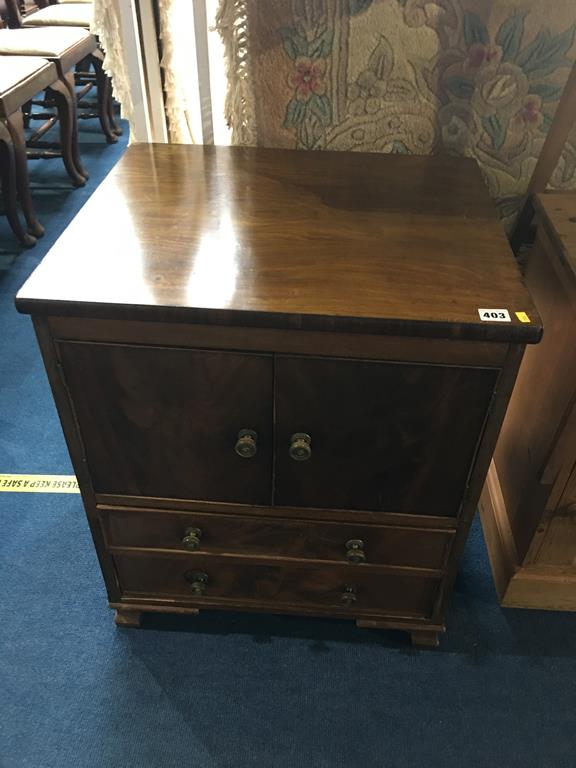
{"x":219,"y":581}
{"x":259,"y":536}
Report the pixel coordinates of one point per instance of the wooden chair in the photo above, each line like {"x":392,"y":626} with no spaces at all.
{"x":64,"y":47}
{"x":76,"y":14}
{"x":20,"y":78}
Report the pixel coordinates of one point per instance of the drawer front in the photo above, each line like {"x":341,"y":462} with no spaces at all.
{"x":165,"y":422}
{"x":257,"y":536}
{"x":217,"y":581}
{"x":393,"y":437}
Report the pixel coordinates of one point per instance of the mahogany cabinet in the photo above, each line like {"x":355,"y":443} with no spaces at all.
{"x":281,"y":376}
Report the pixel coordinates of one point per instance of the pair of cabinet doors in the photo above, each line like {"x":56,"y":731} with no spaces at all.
{"x":165,"y":422}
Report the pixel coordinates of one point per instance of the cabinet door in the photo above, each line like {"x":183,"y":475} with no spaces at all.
{"x":164,"y":422}
{"x":393,"y":437}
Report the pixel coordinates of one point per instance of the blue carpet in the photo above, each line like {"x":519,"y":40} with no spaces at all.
{"x":234,"y":690}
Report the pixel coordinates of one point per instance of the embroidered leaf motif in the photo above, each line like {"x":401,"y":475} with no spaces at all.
{"x":494,"y":128}
{"x":381,"y":61}
{"x":460,"y":87}
{"x":321,"y":46}
{"x":295,"y":112}
{"x":475,"y":30}
{"x":545,"y":54}
{"x":510,"y":35}
{"x":294,"y":44}
{"x":358,"y":6}
{"x":320,"y":106}
{"x":546,"y":91}
{"x":399,"y":148}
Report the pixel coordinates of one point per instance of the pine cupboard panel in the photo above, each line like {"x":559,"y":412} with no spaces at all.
{"x":529,"y":501}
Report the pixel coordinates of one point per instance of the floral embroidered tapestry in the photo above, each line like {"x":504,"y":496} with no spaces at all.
{"x":478,"y":78}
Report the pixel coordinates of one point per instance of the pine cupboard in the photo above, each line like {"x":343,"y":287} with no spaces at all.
{"x":528,"y":504}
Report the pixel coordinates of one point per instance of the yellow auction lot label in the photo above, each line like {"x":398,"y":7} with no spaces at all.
{"x":39,"y":484}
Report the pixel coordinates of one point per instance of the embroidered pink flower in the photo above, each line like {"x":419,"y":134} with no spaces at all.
{"x":308,"y":77}
{"x":531,"y":112}
{"x":480,"y":54}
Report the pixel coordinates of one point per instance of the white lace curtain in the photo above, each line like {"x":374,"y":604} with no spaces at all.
{"x":191,"y":61}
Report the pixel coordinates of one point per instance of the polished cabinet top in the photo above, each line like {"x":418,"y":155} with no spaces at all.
{"x":279,"y":238}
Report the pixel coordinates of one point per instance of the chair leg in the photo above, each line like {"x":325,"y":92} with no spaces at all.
{"x":26,"y":111}
{"x":15,"y":126}
{"x":9,"y":185}
{"x":69,"y":80}
{"x":66,"y":106}
{"x":114,"y":124}
{"x":104,"y":95}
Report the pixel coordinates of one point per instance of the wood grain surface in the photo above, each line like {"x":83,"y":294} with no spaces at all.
{"x":302,"y":585}
{"x":278,"y":238}
{"x":558,"y":218}
{"x":385,"y":436}
{"x":424,"y":548}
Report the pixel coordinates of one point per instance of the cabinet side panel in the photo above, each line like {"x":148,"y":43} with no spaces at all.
{"x":76,"y":450}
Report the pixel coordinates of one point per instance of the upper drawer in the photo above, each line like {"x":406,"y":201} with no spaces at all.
{"x":164,"y":422}
{"x":209,"y":533}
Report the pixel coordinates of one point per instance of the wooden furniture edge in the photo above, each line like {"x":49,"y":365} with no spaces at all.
{"x":544,"y":588}
{"x":554,"y":243}
{"x":423,"y":633}
{"x":497,"y":532}
{"x":110,"y":503}
{"x":434,"y":329}
{"x":73,"y":439}
{"x":548,"y":588}
{"x":280,"y":341}
{"x":485,"y":450}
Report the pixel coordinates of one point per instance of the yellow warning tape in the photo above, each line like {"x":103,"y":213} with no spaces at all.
{"x":39,"y":484}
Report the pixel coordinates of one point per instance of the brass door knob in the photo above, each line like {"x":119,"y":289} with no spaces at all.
{"x":246,"y":443}
{"x":349,"y":596}
{"x":197,"y":582}
{"x":300,"y":446}
{"x":355,"y":551}
{"x":192,"y":538}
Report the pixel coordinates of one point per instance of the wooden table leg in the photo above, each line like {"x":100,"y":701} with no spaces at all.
{"x":126,"y":618}
{"x":10,"y":185}
{"x":16,"y":128}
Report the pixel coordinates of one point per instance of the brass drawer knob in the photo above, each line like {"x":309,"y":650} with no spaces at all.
{"x":197,"y":582}
{"x":355,"y":551}
{"x":246,"y":443}
{"x":349,"y":596}
{"x":300,"y":446}
{"x":192,"y":538}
